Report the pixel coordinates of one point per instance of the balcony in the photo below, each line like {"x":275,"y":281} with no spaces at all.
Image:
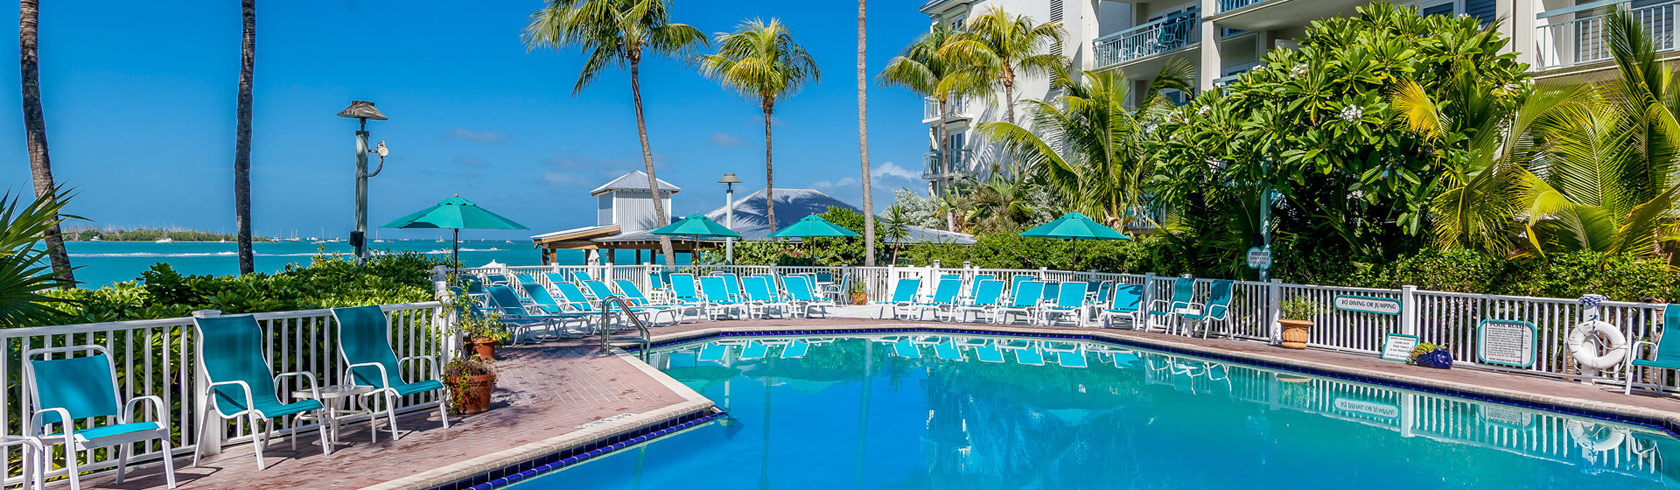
{"x":1583,"y":40}
{"x":1148,"y":40}
{"x":1229,"y":5}
{"x":960,"y":165}
{"x":955,"y":109}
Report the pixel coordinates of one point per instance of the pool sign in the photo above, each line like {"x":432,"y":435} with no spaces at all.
{"x":1367,"y":304}
{"x":1398,"y":347}
{"x":1367,"y":408}
{"x":1260,"y":258}
{"x":1506,"y":343}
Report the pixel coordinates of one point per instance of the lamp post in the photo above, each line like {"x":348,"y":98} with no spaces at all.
{"x":729,"y":180}
{"x":362,"y":111}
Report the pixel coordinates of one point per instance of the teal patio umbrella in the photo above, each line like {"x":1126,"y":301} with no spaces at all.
{"x":698,"y":226}
{"x":1075,"y":226}
{"x":455,"y":214}
{"x":814,"y":226}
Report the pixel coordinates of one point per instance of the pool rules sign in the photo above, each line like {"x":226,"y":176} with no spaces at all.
{"x":1506,"y":343}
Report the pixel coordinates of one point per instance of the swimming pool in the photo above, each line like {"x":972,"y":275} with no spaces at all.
{"x":921,"y":411}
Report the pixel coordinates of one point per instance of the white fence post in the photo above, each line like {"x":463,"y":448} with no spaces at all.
{"x":1408,"y":310}
{"x":1274,"y":300}
{"x":210,"y":442}
{"x":1148,"y":289}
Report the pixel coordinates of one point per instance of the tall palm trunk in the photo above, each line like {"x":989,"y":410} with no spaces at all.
{"x":1009,"y":113}
{"x":647,"y":160}
{"x":242,"y":139}
{"x":769,"y":181}
{"x":863,"y":140}
{"x":35,"y":132}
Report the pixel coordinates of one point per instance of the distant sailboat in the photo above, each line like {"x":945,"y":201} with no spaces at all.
{"x":165,"y":240}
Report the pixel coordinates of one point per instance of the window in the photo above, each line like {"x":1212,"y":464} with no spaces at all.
{"x":1438,"y":7}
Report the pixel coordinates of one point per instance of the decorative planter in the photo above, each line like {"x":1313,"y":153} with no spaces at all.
{"x":860,"y":298}
{"x":472,"y":395}
{"x":485,"y":347}
{"x":1295,"y":333}
{"x":1438,"y":359}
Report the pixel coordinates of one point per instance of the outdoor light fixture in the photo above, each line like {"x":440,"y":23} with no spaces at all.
{"x":729,"y":180}
{"x":362,"y":111}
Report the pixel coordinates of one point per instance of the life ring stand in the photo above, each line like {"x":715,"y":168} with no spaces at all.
{"x":1587,"y":354}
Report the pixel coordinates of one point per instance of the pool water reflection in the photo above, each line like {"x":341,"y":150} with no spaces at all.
{"x":983,"y":413}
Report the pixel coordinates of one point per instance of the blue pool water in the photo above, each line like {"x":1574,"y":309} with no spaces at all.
{"x":984,"y":413}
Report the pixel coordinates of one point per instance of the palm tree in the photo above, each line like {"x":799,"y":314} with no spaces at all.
{"x":762,"y":62}
{"x":897,"y":229}
{"x":1087,"y":144}
{"x":863,"y":137}
{"x":923,"y":69}
{"x":1004,"y":47}
{"x":22,"y":277}
{"x":617,"y":33}
{"x":242,"y":138}
{"x":35,"y":134}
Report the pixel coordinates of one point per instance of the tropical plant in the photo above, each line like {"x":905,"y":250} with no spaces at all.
{"x":896,"y":229}
{"x":1004,"y":47}
{"x":863,"y":134}
{"x":24,"y":275}
{"x":35,"y":135}
{"x":762,"y":62}
{"x":242,"y":137}
{"x":1087,"y":144}
{"x":617,"y":33}
{"x":1299,"y":308}
{"x":922,"y":68}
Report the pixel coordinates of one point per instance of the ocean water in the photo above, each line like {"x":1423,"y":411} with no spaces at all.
{"x":979,"y":413}
{"x":104,"y":263}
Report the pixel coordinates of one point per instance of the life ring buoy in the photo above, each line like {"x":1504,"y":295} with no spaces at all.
{"x":1599,"y":438}
{"x":1588,"y":355}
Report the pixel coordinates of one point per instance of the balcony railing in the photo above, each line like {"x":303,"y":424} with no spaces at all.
{"x":955,"y":108}
{"x":1148,"y":39}
{"x":1229,"y":5}
{"x":1586,"y":39}
{"x":935,"y":169}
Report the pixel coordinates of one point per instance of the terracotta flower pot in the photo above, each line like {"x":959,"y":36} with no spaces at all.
{"x":473,"y":395}
{"x":860,"y":298}
{"x":485,"y":347}
{"x":1295,"y":333}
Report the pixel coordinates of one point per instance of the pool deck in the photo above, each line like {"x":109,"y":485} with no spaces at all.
{"x":546,"y":393}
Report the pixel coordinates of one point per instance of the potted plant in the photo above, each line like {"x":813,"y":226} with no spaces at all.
{"x":1432,"y":356}
{"x":1297,"y":321}
{"x":859,"y":295}
{"x":479,"y":330}
{"x":471,"y":380}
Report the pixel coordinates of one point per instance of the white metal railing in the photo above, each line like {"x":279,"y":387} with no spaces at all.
{"x":959,"y":165}
{"x":1562,"y":41}
{"x":1438,"y":317}
{"x":156,"y":357}
{"x":1149,"y":39}
{"x":955,"y":108}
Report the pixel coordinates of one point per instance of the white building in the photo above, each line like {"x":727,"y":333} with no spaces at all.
{"x":1558,"y":38}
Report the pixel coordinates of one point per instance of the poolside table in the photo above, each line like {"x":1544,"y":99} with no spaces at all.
{"x":331,"y":398}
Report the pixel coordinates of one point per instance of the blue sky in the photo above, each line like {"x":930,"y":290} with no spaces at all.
{"x":140,"y":112}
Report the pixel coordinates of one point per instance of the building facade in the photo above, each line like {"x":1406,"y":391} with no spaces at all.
{"x":1560,"y":40}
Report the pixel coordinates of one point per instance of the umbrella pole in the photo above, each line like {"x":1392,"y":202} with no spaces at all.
{"x":455,"y":250}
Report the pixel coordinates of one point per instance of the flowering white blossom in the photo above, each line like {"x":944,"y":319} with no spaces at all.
{"x":1299,"y":70}
{"x":1203,"y":111}
{"x":1352,"y":113}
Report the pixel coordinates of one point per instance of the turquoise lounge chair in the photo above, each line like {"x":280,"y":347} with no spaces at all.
{"x":684,"y":293}
{"x":1024,"y":303}
{"x":985,"y":301}
{"x":555,"y":277}
{"x":988,"y":352}
{"x":754,"y":350}
{"x":1217,"y":310}
{"x":597,"y":289}
{"x":904,"y":294}
{"x":944,"y":299}
{"x":795,"y":349}
{"x":713,"y":352}
{"x":68,"y":389}
{"x":539,"y":299}
{"x":1070,"y":302}
{"x":761,"y":299}
{"x":802,"y":300}
{"x":947,"y":349}
{"x":636,"y":298}
{"x":718,"y":300}
{"x":525,"y":278}
{"x":1666,"y":348}
{"x":581,"y":275}
{"x":230,"y":350}
{"x":1029,"y":355}
{"x":974,"y":286}
{"x":529,"y":318}
{"x":494,"y":279}
{"x":732,"y":284}
{"x":364,"y":340}
{"x":907,"y":348}
{"x":1164,"y":312}
{"x":1127,"y":303}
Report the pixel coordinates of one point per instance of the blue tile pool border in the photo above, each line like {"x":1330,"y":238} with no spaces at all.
{"x":1672,"y":428}
{"x":558,"y":460}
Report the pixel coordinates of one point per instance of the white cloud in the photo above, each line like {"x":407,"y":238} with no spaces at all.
{"x":890,"y":169}
{"x":830,"y":184}
{"x":725,"y":139}
{"x":488,"y":136}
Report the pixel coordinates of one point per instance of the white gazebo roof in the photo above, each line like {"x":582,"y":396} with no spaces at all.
{"x":633,"y":181}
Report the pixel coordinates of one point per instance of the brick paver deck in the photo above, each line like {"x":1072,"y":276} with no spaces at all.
{"x":547,"y":391}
